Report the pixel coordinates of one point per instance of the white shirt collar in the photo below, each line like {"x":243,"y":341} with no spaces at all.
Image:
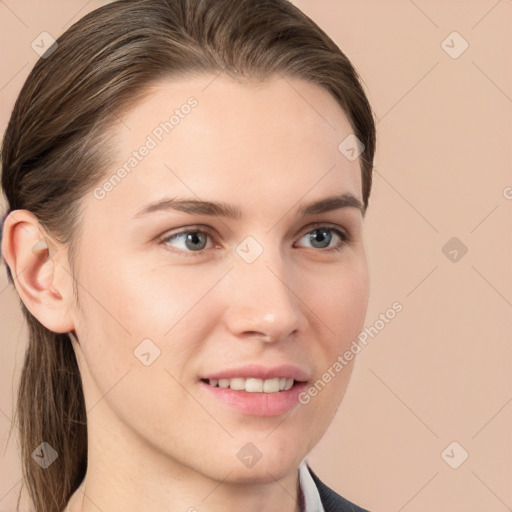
{"x":309,"y":490}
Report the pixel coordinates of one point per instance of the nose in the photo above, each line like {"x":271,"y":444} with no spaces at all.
{"x":264,"y":301}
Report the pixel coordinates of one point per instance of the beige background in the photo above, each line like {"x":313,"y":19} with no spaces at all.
{"x":440,"y":371}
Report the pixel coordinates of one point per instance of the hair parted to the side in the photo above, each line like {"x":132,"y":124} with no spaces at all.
{"x":54,"y":153}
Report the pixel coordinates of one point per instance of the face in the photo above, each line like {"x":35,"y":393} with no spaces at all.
{"x":173,"y":296}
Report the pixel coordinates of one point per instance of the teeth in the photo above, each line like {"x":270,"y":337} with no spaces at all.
{"x":271,"y":385}
{"x":238,"y":384}
{"x":254,"y":385}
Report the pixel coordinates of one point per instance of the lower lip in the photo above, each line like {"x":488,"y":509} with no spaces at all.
{"x":259,"y":404}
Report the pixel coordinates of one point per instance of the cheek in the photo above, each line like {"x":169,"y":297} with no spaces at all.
{"x":137,"y":341}
{"x":341,"y":302}
{"x":128,"y":311}
{"x":140,"y":300}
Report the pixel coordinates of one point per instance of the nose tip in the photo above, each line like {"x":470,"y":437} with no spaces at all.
{"x":272,"y":328}
{"x":264,"y":306}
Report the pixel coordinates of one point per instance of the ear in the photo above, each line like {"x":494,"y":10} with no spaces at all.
{"x":36,"y":264}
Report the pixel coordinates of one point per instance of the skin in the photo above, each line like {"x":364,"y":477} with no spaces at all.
{"x":157,"y":440}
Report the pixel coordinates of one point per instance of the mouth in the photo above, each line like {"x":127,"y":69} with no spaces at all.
{"x":253,"y":385}
{"x":256,"y":390}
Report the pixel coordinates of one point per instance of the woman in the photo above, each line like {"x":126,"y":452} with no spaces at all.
{"x":187,"y":182}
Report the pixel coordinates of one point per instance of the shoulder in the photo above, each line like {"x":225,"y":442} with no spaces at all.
{"x":332,"y":501}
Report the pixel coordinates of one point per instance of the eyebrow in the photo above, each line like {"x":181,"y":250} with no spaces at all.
{"x":222,"y":209}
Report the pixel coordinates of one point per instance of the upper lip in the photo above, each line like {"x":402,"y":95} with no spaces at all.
{"x":256,"y":371}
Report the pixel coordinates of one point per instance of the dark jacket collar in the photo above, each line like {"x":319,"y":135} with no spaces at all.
{"x":332,"y":501}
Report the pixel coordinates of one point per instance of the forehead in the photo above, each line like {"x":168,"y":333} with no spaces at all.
{"x":241,"y":142}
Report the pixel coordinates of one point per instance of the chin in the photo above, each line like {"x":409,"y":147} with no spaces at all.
{"x":263,"y":473}
{"x":272,"y":460}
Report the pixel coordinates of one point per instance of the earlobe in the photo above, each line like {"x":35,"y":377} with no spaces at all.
{"x":33,"y":260}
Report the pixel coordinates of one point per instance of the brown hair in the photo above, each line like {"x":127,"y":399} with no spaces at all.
{"x":55,"y":151}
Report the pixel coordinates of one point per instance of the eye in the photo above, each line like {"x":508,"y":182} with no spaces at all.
{"x":193,"y":240}
{"x":321,"y":237}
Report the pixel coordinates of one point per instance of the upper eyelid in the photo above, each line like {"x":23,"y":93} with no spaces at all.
{"x":346,"y":236}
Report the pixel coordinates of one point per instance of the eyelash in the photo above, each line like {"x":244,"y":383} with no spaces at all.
{"x":342,"y":234}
